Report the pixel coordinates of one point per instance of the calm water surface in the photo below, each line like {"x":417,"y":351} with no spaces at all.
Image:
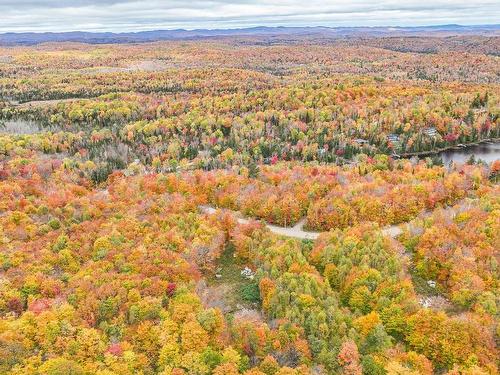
{"x":488,"y":152}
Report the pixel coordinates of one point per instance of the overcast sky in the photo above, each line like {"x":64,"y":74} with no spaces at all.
{"x":137,"y":15}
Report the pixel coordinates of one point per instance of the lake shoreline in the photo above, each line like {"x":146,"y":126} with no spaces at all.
{"x":444,"y":149}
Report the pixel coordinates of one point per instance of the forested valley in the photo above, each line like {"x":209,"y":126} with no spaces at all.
{"x":140,"y":185}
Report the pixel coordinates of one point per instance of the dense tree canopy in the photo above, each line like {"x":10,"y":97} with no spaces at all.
{"x":111,"y":262}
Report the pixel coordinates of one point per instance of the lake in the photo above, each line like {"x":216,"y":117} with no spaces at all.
{"x":488,"y":152}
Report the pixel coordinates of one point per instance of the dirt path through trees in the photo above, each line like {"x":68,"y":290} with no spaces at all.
{"x":297,"y":231}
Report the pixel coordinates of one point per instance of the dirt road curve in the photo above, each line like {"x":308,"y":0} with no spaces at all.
{"x":297,"y":231}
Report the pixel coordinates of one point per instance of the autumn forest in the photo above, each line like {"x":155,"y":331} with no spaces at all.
{"x":250,"y":205}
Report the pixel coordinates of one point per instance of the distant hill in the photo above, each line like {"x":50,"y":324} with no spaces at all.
{"x":179,"y":34}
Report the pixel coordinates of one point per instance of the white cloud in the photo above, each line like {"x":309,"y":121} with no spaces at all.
{"x":137,"y":15}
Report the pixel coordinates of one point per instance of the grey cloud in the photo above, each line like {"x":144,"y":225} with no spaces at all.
{"x":136,"y":15}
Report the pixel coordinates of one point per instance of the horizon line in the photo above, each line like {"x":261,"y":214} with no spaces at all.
{"x":253,"y":27}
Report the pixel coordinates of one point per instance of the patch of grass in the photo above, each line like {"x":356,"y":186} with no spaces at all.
{"x":420,"y":284}
{"x":241,"y":291}
{"x":228,"y":268}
